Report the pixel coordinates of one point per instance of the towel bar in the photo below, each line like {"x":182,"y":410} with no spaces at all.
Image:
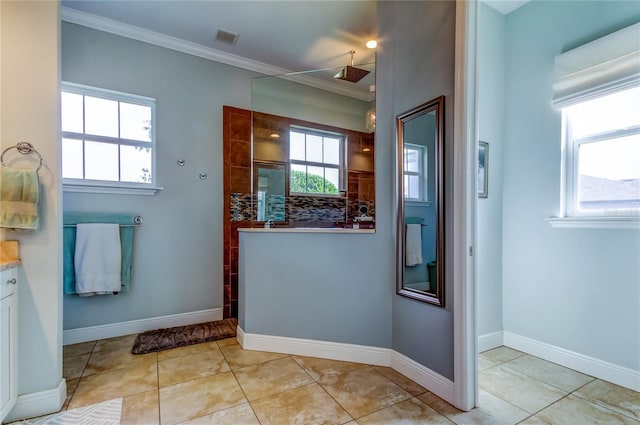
{"x":137,"y":221}
{"x":24,"y":148}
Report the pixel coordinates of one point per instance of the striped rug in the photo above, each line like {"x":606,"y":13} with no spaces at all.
{"x":105,"y":413}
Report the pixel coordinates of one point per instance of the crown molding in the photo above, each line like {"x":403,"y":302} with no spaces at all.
{"x":151,"y":37}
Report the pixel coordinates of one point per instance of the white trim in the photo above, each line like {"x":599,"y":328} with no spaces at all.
{"x":313,"y":348}
{"x":601,"y":369}
{"x":432,"y":381}
{"x":594,"y":222}
{"x":422,"y":375}
{"x":465,"y":135}
{"x":490,"y":341}
{"x":147,"y":36}
{"x":92,"y":333}
{"x":110,"y":190}
{"x":38,"y":404}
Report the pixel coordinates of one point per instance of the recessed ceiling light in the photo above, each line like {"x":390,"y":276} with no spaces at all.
{"x":372,"y":44}
{"x":274,"y":135}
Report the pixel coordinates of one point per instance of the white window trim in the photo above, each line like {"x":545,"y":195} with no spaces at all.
{"x":424,"y":191}
{"x":72,"y":185}
{"x":341,"y":167}
{"x":601,"y":67}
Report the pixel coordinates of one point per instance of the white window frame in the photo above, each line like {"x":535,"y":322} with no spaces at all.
{"x":340,"y":167}
{"x":422,"y":174}
{"x":108,"y":186}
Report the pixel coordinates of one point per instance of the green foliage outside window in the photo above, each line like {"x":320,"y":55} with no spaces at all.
{"x":302,"y":182}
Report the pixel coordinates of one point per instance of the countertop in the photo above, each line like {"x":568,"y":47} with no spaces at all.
{"x":9,"y":254}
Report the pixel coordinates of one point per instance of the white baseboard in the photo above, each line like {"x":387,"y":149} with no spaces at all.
{"x":432,"y":381}
{"x":422,"y":375}
{"x":490,"y":341}
{"x":92,"y":333}
{"x":38,"y":404}
{"x":618,"y":375}
{"x":313,"y":348}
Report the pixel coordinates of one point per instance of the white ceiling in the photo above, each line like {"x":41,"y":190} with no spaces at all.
{"x":274,"y":36}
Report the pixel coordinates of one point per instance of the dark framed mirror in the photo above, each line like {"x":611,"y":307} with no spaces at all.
{"x":420,"y":262}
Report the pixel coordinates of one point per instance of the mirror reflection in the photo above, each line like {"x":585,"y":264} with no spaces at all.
{"x":320,"y":145}
{"x":420,"y":262}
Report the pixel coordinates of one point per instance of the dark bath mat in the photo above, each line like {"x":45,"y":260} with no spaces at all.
{"x":179,"y":336}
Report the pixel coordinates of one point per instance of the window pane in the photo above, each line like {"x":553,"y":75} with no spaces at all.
{"x":333,"y":180}
{"x":615,"y":111}
{"x":609,"y":174}
{"x":412,"y":160}
{"x":331,"y":151}
{"x":314,"y":148}
{"x":101,"y":116}
{"x":71,"y":159}
{"x":71,"y":112}
{"x":315,"y":179}
{"x":298,"y":178}
{"x":101,"y":161}
{"x":135,"y":122}
{"x":135,"y":164}
{"x":414,"y":187}
{"x":296,"y":146}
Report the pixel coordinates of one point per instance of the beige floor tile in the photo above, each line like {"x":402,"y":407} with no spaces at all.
{"x":199,"y":397}
{"x":560,"y":377}
{"x":141,"y":409}
{"x":73,"y":366}
{"x":518,"y":389}
{"x":484,"y":363}
{"x":103,"y":361}
{"x":363,"y":391}
{"x":114,"y":384}
{"x":402,"y":381}
{"x":78,"y":349}
{"x":575,"y":410}
{"x":408,"y":412}
{"x":239,"y":358}
{"x":501,"y":354}
{"x":227,"y":341}
{"x":614,"y":397}
{"x":187,"y":350}
{"x":306,"y":405}
{"x":271,"y":377}
{"x":186,"y":368}
{"x":321,"y":369}
{"x":533,"y":420}
{"x":241,"y":414}
{"x":491,"y":411}
{"x":116,"y":343}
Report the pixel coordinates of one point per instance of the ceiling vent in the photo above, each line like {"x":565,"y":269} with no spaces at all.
{"x":227,"y":37}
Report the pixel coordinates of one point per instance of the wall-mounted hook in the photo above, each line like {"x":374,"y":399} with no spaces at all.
{"x":203,"y":176}
{"x":181,"y":162}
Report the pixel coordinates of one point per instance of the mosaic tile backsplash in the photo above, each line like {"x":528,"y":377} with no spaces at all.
{"x":300,"y":208}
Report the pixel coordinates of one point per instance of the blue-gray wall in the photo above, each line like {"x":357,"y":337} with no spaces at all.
{"x":417,"y":52}
{"x":578,"y":289}
{"x":178,"y":249}
{"x":491,"y":75}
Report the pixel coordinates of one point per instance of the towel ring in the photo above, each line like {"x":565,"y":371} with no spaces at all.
{"x":24,"y":148}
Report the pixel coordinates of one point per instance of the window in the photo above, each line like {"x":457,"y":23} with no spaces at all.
{"x":603,"y":155}
{"x":415,"y":171}
{"x":108,"y":138}
{"x":316,"y":161}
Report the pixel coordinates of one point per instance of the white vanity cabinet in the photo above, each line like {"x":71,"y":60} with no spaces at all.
{"x":8,"y":340}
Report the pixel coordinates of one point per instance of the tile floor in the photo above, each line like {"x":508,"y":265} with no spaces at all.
{"x":220,"y":383}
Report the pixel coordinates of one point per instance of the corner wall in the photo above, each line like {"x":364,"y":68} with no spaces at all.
{"x":574,"y":289}
{"x":29,"y":80}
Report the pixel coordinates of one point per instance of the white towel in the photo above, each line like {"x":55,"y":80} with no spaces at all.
{"x":413,"y":245}
{"x":97,"y":259}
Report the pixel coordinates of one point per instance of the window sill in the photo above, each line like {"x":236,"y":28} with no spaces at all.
{"x":109,"y":190}
{"x":418,"y":203}
{"x":595,"y":222}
